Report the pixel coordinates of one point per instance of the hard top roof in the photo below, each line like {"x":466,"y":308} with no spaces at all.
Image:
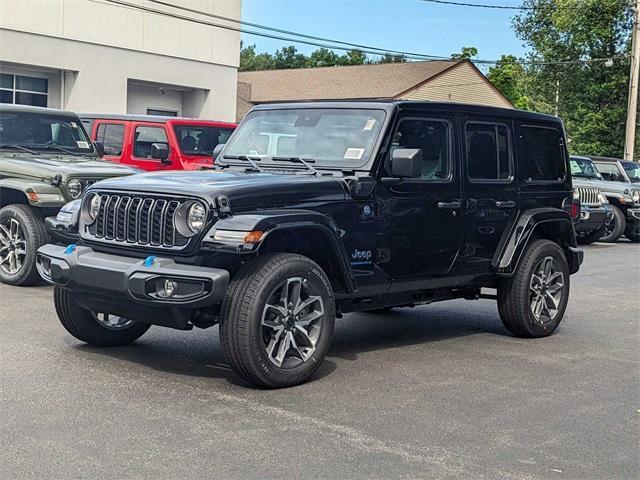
{"x":148,"y":118}
{"x":9,"y":107}
{"x":389,"y":105}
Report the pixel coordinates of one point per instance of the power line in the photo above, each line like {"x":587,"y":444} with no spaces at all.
{"x":369,"y":50}
{"x":478,"y":5}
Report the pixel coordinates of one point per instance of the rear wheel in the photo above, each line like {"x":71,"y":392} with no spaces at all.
{"x":614,"y":228}
{"x":95,"y":328}
{"x":22,"y":232}
{"x":277,"y":320}
{"x":533,"y":301}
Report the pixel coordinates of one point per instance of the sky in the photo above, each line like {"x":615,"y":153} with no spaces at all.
{"x":405,"y":25}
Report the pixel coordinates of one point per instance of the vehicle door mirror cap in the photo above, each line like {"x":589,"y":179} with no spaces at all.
{"x":160,"y":151}
{"x":218,"y":148}
{"x":99,"y":148}
{"x":406,"y":163}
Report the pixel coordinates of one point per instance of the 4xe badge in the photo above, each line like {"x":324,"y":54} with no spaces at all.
{"x":361,"y":257}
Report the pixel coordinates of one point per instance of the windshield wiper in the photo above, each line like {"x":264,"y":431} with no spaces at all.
{"x":246,"y":158}
{"x":60,"y":149}
{"x":18,"y":147}
{"x":306,"y":163}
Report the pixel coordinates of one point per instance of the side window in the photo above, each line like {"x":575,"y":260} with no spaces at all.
{"x":611,"y":172}
{"x":112,"y":136}
{"x":542,"y":154}
{"x":488,"y":151}
{"x":144,"y":137}
{"x":433,"y":137}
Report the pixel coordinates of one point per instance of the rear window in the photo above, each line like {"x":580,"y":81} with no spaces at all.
{"x":542,"y":154}
{"x":200,"y":139}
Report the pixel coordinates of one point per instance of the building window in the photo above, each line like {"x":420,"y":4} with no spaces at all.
{"x":23,"y":90}
{"x":162,"y":113}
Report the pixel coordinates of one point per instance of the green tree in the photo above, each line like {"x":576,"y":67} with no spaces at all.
{"x":390,"y":58}
{"x":593,"y":94}
{"x":510,"y":78}
{"x":466,"y":53}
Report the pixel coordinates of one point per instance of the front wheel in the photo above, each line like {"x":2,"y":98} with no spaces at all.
{"x":95,"y":328}
{"x":277,"y":320}
{"x":533,"y":301}
{"x":614,"y":228}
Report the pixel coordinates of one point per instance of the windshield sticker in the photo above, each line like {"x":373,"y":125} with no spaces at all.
{"x":82,"y":144}
{"x":369,"y":125}
{"x":575,"y":168}
{"x":354,"y":153}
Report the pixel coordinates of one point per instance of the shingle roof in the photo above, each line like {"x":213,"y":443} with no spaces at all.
{"x":325,"y":83}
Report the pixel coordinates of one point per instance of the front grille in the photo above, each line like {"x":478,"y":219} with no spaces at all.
{"x":138,"y":220}
{"x":589,"y":195}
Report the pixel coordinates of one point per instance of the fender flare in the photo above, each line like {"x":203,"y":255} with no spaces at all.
{"x":517,"y":237}
{"x":27,"y":187}
{"x":278,"y":221}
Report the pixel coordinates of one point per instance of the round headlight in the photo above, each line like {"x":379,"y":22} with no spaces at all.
{"x":196,"y":217}
{"x":74,"y":187}
{"x":94,"y":207}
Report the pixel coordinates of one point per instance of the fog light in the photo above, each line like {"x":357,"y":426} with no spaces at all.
{"x":166,"y":288}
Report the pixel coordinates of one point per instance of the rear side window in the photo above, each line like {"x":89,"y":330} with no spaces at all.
{"x":112,"y":136}
{"x":542,"y":153}
{"x":488,"y":149}
{"x":144,"y":137}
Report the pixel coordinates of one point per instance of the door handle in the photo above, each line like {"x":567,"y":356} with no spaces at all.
{"x":449,"y":205}
{"x":506,"y":204}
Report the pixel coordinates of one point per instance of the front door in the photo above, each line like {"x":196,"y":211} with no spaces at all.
{"x":489,"y":188}
{"x":420,"y":217}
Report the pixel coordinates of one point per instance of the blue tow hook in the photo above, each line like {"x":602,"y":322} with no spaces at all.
{"x":70,"y":248}
{"x":148,"y":262}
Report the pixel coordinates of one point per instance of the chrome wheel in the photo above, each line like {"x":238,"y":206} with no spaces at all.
{"x":292,"y":321}
{"x":546,"y":289}
{"x":112,"y":322}
{"x":13,"y":246}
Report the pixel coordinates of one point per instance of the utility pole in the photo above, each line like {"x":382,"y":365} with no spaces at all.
{"x":632,"y":108}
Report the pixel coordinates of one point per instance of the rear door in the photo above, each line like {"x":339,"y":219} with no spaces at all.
{"x":489,"y":188}
{"x":111,"y":134}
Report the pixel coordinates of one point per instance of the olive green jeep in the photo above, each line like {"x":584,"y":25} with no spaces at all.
{"x":46,"y":160}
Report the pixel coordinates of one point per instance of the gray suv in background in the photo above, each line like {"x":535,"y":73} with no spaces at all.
{"x":622,"y":189}
{"x":595,"y":213}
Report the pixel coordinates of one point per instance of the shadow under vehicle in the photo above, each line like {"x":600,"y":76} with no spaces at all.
{"x":319,"y":209}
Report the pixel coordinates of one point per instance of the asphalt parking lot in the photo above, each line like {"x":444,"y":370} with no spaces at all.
{"x":439,"y":391}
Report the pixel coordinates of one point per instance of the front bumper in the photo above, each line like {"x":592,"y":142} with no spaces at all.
{"x":633,"y":214}
{"x":61,"y":232}
{"x":131,"y":287}
{"x":592,"y":219}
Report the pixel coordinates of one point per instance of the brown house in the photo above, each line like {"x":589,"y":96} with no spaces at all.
{"x":441,"y":80}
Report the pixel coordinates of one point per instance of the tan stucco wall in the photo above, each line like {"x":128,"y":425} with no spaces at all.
{"x":462,"y":83}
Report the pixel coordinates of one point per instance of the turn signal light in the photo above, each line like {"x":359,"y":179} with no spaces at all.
{"x":253,"y":237}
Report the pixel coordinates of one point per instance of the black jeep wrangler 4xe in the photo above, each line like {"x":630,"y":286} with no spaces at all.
{"x":318,"y":209}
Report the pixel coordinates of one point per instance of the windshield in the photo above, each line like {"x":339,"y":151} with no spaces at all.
{"x":35,"y":131}
{"x":583,"y":167}
{"x":201,"y":139}
{"x":329,"y":136}
{"x":633,"y":171}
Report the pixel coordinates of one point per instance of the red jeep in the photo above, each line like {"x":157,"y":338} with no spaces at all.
{"x":157,"y":143}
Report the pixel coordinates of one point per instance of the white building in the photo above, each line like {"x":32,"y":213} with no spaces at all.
{"x":97,"y":56}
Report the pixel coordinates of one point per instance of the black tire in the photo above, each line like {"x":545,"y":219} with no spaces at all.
{"x":83,"y":324}
{"x":614,"y":229}
{"x":242,"y":333}
{"x":35,"y":235}
{"x":591,"y":237}
{"x":632,"y":231}
{"x":515,"y":294}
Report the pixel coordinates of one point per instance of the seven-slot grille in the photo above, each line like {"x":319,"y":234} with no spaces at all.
{"x":138,"y":220}
{"x":589,"y":195}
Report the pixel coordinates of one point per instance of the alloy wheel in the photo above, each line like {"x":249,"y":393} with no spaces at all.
{"x":545,"y":290}
{"x":292,"y":321}
{"x":13,"y":246}
{"x":112,"y":322}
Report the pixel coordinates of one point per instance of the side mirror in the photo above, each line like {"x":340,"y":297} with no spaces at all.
{"x":99,"y":147}
{"x":160,"y":151}
{"x":406,"y":163}
{"x":216,"y":151}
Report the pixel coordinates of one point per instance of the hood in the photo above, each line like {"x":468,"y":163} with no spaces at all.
{"x":244,"y":190}
{"x":589,"y":182}
{"x":66,"y":165}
